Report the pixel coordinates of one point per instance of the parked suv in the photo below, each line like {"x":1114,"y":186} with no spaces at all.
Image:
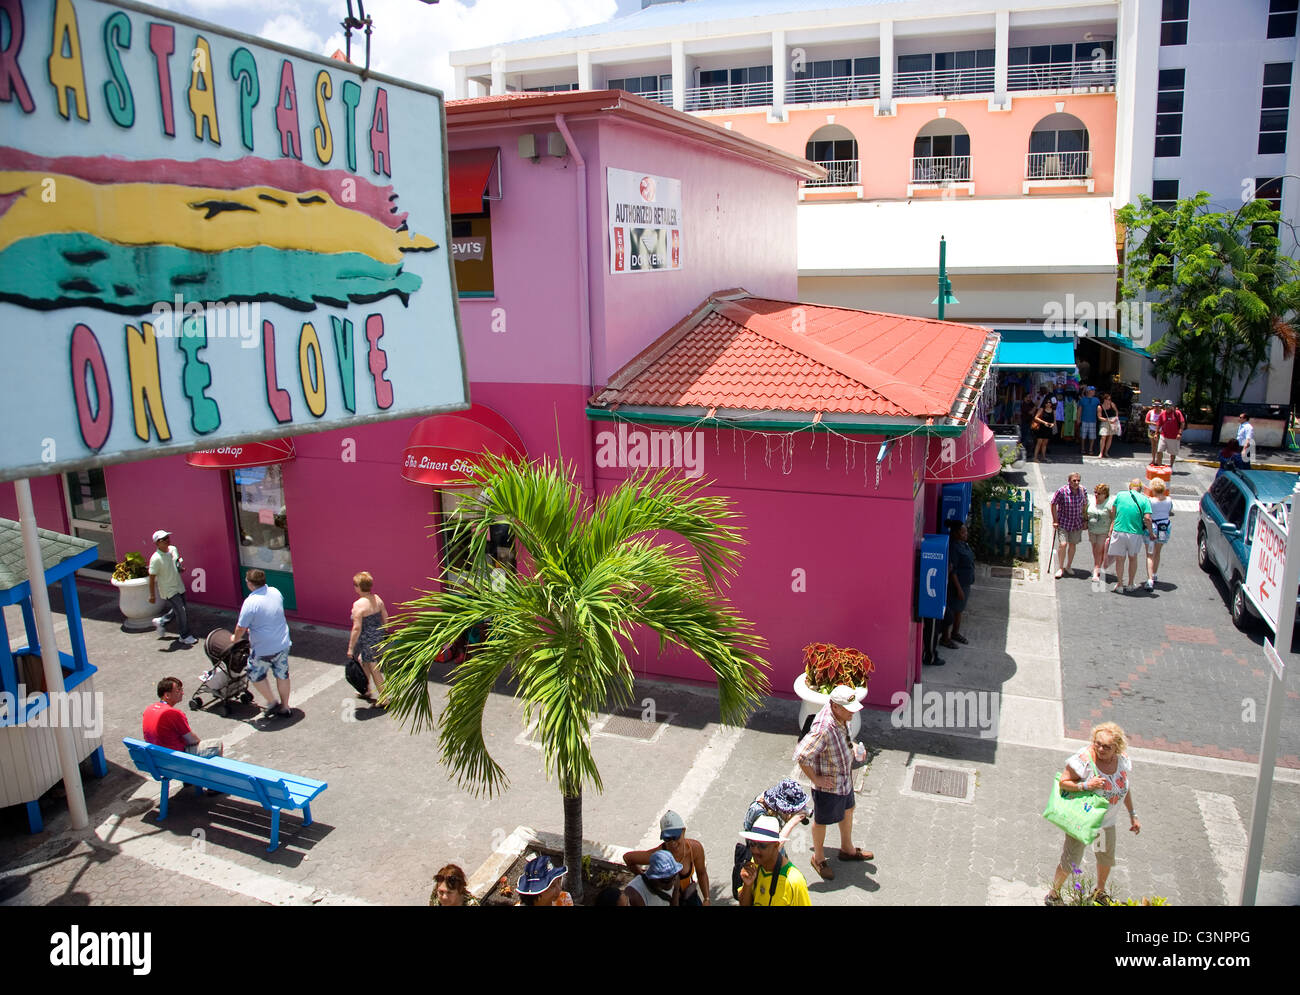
{"x":1227,"y":525}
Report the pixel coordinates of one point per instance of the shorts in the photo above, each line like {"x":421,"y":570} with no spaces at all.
{"x":206,"y":748}
{"x":1070,"y":538}
{"x":1104,"y":429}
{"x":1104,"y":846}
{"x":278,"y":664}
{"x":828,"y":808}
{"x":1168,"y":445}
{"x":1125,"y":544}
{"x":1151,"y":432}
{"x":1088,"y":430}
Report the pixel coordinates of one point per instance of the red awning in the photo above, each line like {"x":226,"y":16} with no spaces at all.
{"x":247,"y":454}
{"x":470,"y":172}
{"x":973,"y":455}
{"x":442,"y":450}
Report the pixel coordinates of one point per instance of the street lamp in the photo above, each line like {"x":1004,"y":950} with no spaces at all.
{"x":946,"y":295}
{"x":360,"y":21}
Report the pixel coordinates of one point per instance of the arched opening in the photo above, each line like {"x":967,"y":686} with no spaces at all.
{"x":1058,"y":149}
{"x":834,"y":148}
{"x":941,"y":152}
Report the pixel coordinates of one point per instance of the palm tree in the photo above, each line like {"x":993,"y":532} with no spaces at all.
{"x":589,"y":576}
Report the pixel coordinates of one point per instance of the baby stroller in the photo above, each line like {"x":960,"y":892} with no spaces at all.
{"x":228,"y":678}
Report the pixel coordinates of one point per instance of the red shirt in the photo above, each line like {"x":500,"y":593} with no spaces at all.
{"x":1170,"y":423}
{"x":165,"y":726}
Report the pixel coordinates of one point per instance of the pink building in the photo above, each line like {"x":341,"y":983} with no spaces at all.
{"x":587,"y":229}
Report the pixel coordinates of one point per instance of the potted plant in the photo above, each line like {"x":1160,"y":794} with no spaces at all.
{"x":131,"y":578}
{"x":827,"y":666}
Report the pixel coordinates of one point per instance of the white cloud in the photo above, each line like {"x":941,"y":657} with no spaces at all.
{"x":289,"y":29}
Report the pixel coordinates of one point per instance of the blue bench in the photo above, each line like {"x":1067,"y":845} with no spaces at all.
{"x":272,"y":789}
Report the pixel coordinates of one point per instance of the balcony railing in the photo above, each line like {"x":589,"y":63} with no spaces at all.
{"x":1058,"y":166}
{"x":659,"y":96}
{"x":943,"y":82}
{"x":1096,"y":73}
{"x":839,"y":173}
{"x":832,"y":89}
{"x":726,"y":95}
{"x":941,"y":169}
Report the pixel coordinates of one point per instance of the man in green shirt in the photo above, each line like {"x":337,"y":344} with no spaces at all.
{"x":1132,"y":526}
{"x":165,"y":581}
{"x":769,"y":879}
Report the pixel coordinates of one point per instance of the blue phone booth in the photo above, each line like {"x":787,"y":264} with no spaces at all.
{"x":932,"y":589}
{"x":954,"y":502}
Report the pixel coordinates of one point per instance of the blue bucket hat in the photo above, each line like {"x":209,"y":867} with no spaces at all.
{"x":787,"y":797}
{"x":662,"y":866}
{"x":539,"y":874}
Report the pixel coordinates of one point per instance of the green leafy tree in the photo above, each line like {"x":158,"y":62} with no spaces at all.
{"x":588,"y":577}
{"x":1220,"y":284}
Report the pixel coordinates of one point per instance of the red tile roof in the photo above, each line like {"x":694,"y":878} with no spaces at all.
{"x":750,"y":353}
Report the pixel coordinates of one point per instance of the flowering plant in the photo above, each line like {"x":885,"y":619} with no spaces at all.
{"x":827,"y":666}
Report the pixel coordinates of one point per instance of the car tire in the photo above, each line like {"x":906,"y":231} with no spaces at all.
{"x":1203,"y":552}
{"x":1241,"y":617}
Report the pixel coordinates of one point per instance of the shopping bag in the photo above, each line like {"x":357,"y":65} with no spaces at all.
{"x":1079,"y":813}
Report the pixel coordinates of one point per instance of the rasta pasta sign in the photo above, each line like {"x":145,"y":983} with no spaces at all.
{"x":205,"y":239}
{"x":645,"y":222}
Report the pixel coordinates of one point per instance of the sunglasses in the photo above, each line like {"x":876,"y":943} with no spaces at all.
{"x":755,"y":845}
{"x":1103,"y":746}
{"x":450,"y":880}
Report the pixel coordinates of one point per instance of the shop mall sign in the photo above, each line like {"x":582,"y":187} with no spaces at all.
{"x":208,"y":240}
{"x":1264,"y":574}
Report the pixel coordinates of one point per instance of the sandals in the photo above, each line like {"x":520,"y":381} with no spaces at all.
{"x":961,"y":639}
{"x":857,"y":854}
{"x":824,"y":869}
{"x":947,"y":644}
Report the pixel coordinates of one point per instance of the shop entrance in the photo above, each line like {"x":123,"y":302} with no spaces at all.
{"x":459,"y":559}
{"x":88,"y":518}
{"x":262,"y":527}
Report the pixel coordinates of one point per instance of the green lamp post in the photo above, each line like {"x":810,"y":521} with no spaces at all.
{"x":945,"y":285}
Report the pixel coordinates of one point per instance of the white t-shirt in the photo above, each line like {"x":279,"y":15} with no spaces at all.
{"x":1245,"y":433}
{"x":1116,"y":784}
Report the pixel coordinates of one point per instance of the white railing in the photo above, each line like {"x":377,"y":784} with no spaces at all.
{"x":839,"y":173}
{"x":725,"y":95}
{"x":941,"y":168}
{"x":1058,"y":165}
{"x":1096,"y":73}
{"x":832,"y":89}
{"x":943,"y":82}
{"x":658,"y":96}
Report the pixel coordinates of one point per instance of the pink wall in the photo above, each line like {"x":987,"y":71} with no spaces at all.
{"x":47,"y":502}
{"x":999,"y":139}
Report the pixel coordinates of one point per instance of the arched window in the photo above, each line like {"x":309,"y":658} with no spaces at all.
{"x":1058,"y":149}
{"x":941,"y":152}
{"x":834,"y":148}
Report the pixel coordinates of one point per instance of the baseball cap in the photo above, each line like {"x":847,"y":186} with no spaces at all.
{"x":160,"y":534}
{"x":845,"y":696}
{"x":671,"y":826}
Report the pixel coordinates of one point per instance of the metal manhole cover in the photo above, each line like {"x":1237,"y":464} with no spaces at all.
{"x":631,"y":725}
{"x":940,"y":781}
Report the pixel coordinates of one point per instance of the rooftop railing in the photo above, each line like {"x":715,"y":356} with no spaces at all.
{"x":726,"y":95}
{"x":832,"y":89}
{"x":1093,"y":74}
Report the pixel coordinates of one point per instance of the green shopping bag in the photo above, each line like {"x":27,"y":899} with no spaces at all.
{"x":1079,"y":813}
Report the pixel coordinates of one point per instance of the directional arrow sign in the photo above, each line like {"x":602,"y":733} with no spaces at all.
{"x":1264,"y":574}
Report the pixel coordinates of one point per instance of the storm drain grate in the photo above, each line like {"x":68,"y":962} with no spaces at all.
{"x":632,"y":725}
{"x":940,"y":781}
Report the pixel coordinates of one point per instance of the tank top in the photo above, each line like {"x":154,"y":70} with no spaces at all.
{"x":372,"y":631}
{"x":649,"y":897}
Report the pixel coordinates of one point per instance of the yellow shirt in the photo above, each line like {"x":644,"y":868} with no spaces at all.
{"x":791,"y":888}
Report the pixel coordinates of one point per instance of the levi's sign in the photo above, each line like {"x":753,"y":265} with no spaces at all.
{"x":206,"y":239}
{"x":1264,"y":573}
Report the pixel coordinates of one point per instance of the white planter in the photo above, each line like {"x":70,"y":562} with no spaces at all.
{"x":813,"y":702}
{"x":133,"y":601}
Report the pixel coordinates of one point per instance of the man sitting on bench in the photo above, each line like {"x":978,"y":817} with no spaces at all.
{"x":166,"y":725}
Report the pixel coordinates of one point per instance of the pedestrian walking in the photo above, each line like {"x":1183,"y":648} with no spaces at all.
{"x":1162,"y":510}
{"x":1152,"y":419}
{"x":1100,"y":516}
{"x":451,"y":888}
{"x":165,"y":568}
{"x":261,"y":618}
{"x":770,"y":879}
{"x":657,"y":884}
{"x":961,"y":576}
{"x":1088,"y":405}
{"x":826,"y":756}
{"x":1246,"y":439}
{"x":542,"y":883}
{"x":369,"y":617}
{"x":1132,"y":524}
{"x":1044,"y":423}
{"x":1068,"y":506}
{"x":1102,"y":766}
{"x":1107,"y":425}
{"x":693,"y":877}
{"x":1170,"y":427}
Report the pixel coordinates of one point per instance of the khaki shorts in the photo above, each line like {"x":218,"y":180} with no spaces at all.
{"x":1071,"y":537}
{"x":206,"y":748}
{"x":1126,"y":544}
{"x":1103,"y":845}
{"x":1170,"y":446}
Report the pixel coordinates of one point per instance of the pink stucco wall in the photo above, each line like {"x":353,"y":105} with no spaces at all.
{"x":47,"y":502}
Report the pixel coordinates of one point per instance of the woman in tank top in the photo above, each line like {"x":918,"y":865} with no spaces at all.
{"x":369,"y":617}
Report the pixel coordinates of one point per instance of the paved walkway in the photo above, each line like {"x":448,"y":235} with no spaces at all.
{"x":391,"y":817}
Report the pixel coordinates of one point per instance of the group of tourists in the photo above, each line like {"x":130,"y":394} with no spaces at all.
{"x":1043,"y":419}
{"x":1120,"y":528}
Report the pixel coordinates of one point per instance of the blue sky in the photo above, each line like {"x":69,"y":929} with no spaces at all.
{"x":410,"y":40}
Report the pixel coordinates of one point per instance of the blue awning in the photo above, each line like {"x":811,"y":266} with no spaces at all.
{"x":1034,"y":349}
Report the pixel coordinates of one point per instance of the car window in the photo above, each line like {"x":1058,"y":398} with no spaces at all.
{"x":1221,"y":491}
{"x":1234,"y":510}
{"x":1250,"y":524}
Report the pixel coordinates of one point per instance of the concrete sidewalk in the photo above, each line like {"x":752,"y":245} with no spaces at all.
{"x":391,"y":817}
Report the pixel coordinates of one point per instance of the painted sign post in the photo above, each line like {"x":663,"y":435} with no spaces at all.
{"x":208,"y":239}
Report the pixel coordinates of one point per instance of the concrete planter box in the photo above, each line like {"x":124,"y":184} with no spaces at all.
{"x":133,"y":601}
